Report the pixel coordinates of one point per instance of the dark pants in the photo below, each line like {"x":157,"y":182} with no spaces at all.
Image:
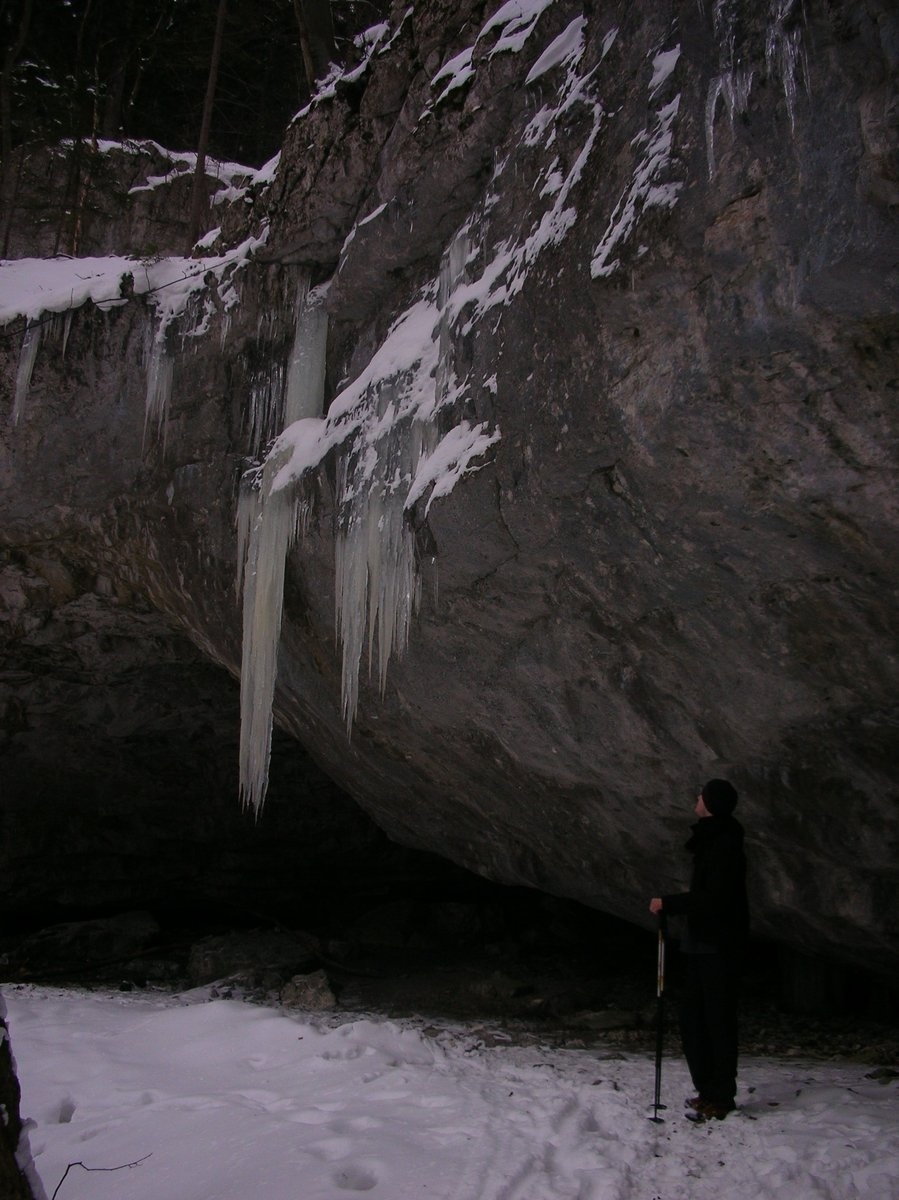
{"x":708,"y":1025}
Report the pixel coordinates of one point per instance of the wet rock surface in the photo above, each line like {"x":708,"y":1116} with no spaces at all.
{"x":680,"y":560}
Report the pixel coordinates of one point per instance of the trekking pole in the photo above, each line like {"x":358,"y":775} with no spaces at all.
{"x":660,"y":1022}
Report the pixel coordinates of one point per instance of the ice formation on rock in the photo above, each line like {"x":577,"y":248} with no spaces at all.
{"x":281,"y":392}
{"x":783,"y":51}
{"x":397,"y":436}
{"x":304,"y":394}
{"x":267,"y":528}
{"x":48,"y":327}
{"x":31,"y":343}
{"x":784,"y":58}
{"x":160,"y":369}
{"x":268,"y":520}
{"x":733,"y":87}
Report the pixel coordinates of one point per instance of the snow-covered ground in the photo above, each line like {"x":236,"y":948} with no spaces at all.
{"x":198,"y":1099}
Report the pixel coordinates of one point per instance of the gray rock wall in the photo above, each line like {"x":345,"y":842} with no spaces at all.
{"x":679,"y":558}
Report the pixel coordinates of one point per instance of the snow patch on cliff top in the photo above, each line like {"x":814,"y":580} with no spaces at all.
{"x":31,"y":287}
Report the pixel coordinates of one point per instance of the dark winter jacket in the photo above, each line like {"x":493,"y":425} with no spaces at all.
{"x":716,"y":906}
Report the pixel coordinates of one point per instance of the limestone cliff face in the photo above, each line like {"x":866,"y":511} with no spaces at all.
{"x":673,"y":318}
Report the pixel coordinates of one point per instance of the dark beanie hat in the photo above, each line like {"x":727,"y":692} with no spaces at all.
{"x":719,"y":797}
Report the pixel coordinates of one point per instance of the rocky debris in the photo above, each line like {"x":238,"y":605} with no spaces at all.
{"x":78,"y":946}
{"x":599,"y":992}
{"x":604,"y":1020}
{"x":883,"y":1074}
{"x":311,"y":992}
{"x":264,"y":957}
{"x":418,"y":925}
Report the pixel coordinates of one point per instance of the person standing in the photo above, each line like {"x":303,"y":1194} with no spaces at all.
{"x":716,"y":909}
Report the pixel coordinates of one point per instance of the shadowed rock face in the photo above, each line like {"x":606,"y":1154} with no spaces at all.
{"x":119,"y":751}
{"x":680,"y":558}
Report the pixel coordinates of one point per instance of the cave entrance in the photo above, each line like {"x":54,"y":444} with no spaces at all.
{"x":126,"y":860}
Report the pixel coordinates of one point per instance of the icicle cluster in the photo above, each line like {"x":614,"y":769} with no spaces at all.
{"x":386,"y":429}
{"x":783,"y":52}
{"x":47,"y":327}
{"x":733,"y":85}
{"x":378,"y":585}
{"x":280,"y":392}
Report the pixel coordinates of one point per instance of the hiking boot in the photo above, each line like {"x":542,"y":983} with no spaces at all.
{"x":708,"y":1110}
{"x":693,"y":1102}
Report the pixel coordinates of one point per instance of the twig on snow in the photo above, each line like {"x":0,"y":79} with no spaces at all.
{"x":121,"y":1167}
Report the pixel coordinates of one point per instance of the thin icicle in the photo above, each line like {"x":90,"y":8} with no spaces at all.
{"x":783,"y":52}
{"x":27,"y":355}
{"x":66,"y":330}
{"x":160,"y":368}
{"x":734,"y":88}
{"x":57,"y":329}
{"x":266,"y":405}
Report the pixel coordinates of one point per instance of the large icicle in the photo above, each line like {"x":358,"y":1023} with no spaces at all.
{"x":267,"y":523}
{"x":27,"y":356}
{"x":267,"y":526}
{"x":306,"y":368}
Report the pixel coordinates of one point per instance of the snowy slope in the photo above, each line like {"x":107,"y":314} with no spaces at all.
{"x":227,"y":1100}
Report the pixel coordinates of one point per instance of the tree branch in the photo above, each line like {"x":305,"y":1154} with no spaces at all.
{"x":121,"y":1167}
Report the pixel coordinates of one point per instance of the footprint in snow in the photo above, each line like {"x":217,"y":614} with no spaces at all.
{"x":355,"y":1124}
{"x":331,"y":1149}
{"x":355,"y":1179}
{"x":311,"y":1116}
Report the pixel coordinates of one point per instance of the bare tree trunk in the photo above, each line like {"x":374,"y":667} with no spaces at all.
{"x":198,"y":197}
{"x":12,"y":191}
{"x":14,"y":1182}
{"x":305,"y":47}
{"x":10,"y":58}
{"x":65,"y":230}
{"x":316,"y":34}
